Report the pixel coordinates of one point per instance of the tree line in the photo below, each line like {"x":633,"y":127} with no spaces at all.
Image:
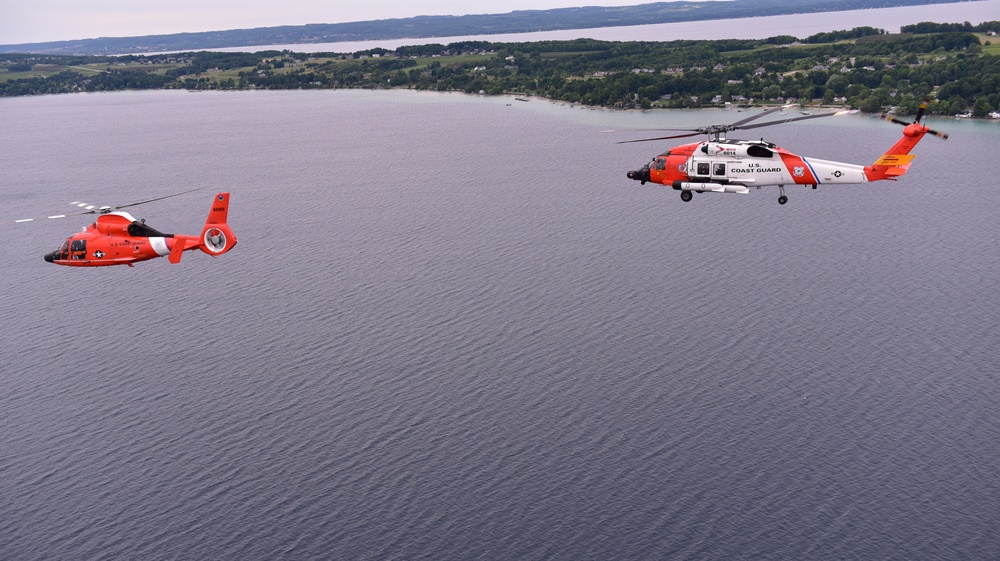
{"x":864,"y":68}
{"x":518,"y":21}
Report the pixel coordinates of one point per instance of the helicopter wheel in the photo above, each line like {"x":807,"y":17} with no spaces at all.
{"x":782,"y":200}
{"x":686,"y":196}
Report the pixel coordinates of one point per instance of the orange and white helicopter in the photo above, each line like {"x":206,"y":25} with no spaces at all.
{"x":719,"y":165}
{"x":117,"y":238}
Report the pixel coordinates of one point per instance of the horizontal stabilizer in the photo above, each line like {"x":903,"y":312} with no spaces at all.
{"x":181,"y":244}
{"x":897,"y":171}
{"x":889,"y":166}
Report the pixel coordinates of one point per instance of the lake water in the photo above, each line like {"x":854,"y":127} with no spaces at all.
{"x":453,"y":329}
{"x":797,"y":25}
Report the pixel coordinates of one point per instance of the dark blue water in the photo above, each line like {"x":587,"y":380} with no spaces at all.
{"x":453,"y":329}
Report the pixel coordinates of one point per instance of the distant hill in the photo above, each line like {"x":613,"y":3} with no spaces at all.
{"x":522,"y":21}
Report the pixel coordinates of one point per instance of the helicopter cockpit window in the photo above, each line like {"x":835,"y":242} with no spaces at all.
{"x":661,"y":164}
{"x":757,"y":151}
{"x":702,"y":168}
{"x":78,"y":249}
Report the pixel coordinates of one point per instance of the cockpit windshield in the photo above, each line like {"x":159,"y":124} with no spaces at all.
{"x":62,"y":253}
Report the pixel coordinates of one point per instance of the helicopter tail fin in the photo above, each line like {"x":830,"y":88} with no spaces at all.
{"x":896,"y":161}
{"x":216,"y":237}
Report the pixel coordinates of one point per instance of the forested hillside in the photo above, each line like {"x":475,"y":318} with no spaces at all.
{"x":518,"y":21}
{"x":864,"y":68}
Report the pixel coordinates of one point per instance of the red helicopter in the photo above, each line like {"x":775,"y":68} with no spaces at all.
{"x":116,"y":238}
{"x":719,"y":165}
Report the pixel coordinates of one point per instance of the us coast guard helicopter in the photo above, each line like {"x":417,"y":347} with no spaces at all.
{"x":117,"y":238}
{"x":719,"y":165}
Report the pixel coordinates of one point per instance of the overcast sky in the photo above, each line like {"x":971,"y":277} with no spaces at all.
{"x":31,"y":21}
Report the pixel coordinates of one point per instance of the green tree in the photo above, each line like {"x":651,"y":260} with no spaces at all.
{"x":838,"y":84}
{"x":982,"y":107}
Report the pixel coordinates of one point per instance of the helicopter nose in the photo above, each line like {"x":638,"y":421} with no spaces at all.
{"x":50,"y":257}
{"x":641,"y":175}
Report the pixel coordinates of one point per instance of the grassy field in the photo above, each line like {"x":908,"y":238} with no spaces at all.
{"x":994,"y":43}
{"x":47,"y":70}
{"x":452,"y":59}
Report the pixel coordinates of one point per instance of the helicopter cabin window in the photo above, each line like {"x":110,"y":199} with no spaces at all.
{"x":757,"y":151}
{"x":661,"y":163}
{"x":719,"y":169}
{"x":702,"y":168}
{"x":78,"y":249}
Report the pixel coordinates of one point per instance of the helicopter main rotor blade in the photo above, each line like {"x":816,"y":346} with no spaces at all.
{"x":44,"y":217}
{"x":758,"y":115}
{"x":93,"y":209}
{"x":793,"y":119}
{"x":157,"y":199}
{"x":695,"y":133}
{"x":702,"y":130}
{"x":653,"y":129}
{"x":726,"y":128}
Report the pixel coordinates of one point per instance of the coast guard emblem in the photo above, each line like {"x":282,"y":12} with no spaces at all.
{"x":799,"y":171}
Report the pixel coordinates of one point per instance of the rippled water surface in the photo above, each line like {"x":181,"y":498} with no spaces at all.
{"x":453,"y":329}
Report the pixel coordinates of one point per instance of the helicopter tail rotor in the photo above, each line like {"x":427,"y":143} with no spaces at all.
{"x":916,"y":121}
{"x":896,"y":161}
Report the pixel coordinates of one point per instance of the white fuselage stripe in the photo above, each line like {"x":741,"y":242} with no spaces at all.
{"x":159,"y":245}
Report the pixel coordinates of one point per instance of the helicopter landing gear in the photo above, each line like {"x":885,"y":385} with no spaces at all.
{"x":686,"y":196}
{"x":782,"y":199}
